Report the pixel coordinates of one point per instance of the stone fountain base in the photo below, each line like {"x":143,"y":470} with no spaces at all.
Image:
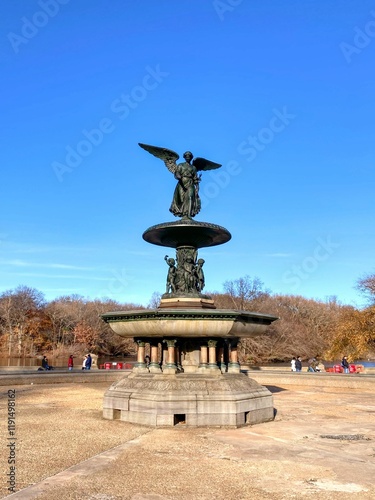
{"x":160,"y":400}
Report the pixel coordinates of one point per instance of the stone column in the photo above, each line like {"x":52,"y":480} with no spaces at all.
{"x":203,"y":365}
{"x":140,"y":365}
{"x":154,"y":363}
{"x":212,"y":361}
{"x":171,"y":358}
{"x":234,"y":366}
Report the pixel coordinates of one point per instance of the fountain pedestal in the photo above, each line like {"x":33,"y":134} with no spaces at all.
{"x":228,"y":399}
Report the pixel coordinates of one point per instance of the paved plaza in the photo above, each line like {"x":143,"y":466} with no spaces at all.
{"x":320,"y":445}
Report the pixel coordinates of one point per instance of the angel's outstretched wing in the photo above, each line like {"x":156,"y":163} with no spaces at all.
{"x":168,"y":156}
{"x":203,"y":164}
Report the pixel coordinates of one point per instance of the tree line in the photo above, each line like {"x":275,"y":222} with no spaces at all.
{"x":30,"y":325}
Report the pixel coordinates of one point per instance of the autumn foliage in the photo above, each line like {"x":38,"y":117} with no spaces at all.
{"x":29,"y":325}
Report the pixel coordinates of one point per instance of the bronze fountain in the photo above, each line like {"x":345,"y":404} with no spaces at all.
{"x":193,"y":375}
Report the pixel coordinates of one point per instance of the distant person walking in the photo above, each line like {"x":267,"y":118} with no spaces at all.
{"x":293,"y":364}
{"x":70,"y":363}
{"x":298,"y":364}
{"x":345,"y":364}
{"x":88,"y":362}
{"x":84,"y":363}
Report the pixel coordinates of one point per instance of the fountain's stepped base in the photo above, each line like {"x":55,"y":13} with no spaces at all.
{"x":160,"y":400}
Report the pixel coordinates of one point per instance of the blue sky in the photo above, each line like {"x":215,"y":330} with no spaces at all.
{"x":280,"y":93}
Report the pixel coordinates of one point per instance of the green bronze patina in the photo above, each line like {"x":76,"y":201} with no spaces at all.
{"x":187,"y":233}
{"x":186,"y":202}
{"x":185,"y":274}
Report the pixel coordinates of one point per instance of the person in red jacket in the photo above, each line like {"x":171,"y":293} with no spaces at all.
{"x":70,"y":362}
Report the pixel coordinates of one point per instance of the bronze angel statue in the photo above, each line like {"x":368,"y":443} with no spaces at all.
{"x":186,"y":202}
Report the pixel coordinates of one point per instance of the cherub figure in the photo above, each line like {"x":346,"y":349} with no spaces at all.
{"x":189,"y":274}
{"x":186,"y":202}
{"x":171,"y":276}
{"x":200,"y":275}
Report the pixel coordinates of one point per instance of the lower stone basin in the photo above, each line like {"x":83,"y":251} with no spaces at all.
{"x":192,"y":323}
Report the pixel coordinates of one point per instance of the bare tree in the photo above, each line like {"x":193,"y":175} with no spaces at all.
{"x":16,"y":308}
{"x":366,"y":285}
{"x":244,"y":290}
{"x":305,"y":326}
{"x":155,"y":300}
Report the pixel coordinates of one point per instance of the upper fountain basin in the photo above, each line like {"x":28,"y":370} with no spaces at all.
{"x":188,"y":323}
{"x":186,"y":232}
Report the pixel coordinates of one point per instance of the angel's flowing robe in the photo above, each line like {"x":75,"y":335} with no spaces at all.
{"x":186,"y":201}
